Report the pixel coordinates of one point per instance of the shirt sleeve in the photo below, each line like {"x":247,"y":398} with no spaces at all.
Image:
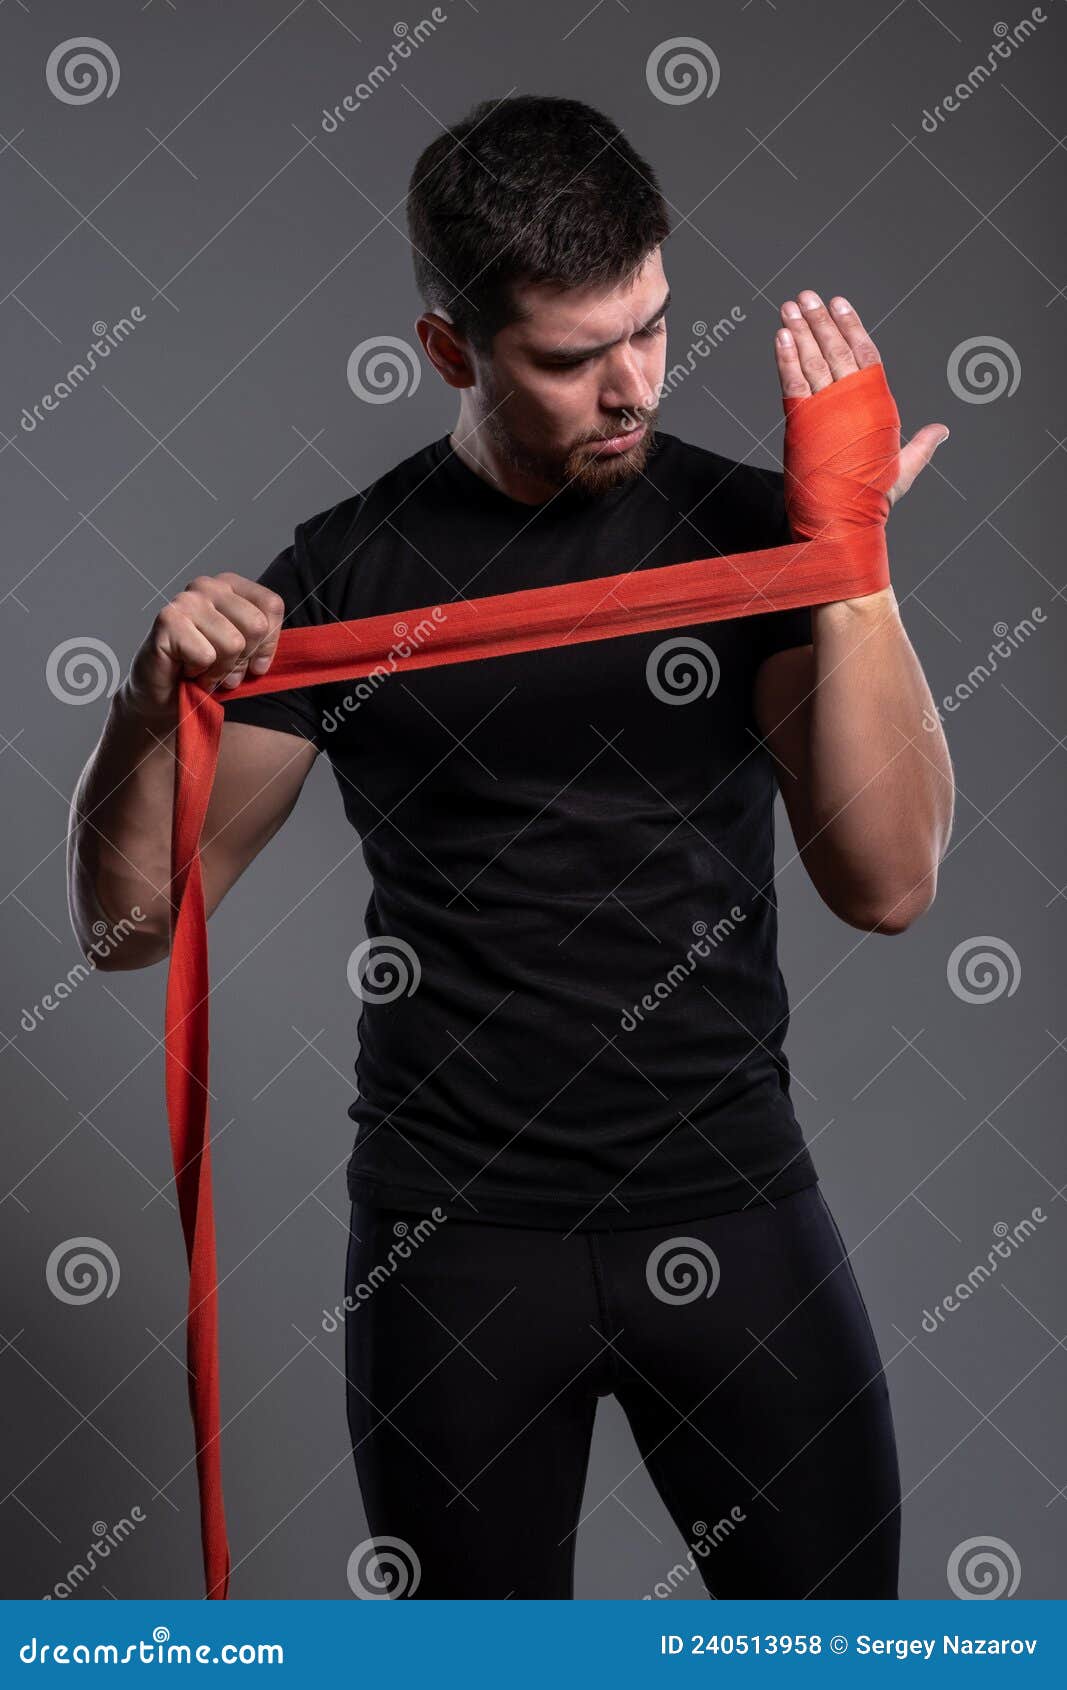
{"x":775,"y":630}
{"x":295,"y":710}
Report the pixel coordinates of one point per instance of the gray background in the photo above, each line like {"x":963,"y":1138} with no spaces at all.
{"x":262,"y":251}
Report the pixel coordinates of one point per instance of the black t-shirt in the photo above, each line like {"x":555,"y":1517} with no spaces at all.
{"x":572,"y":1011}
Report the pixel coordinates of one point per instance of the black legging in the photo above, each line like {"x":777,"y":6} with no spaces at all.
{"x":758,"y":1403}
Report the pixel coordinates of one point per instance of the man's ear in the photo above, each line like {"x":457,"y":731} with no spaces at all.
{"x":446,"y":349}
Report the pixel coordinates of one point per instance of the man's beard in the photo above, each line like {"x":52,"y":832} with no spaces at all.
{"x":580,"y":469}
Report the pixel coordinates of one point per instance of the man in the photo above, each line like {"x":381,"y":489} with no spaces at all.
{"x":571,"y":1068}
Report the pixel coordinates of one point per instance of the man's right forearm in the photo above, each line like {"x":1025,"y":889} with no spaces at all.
{"x":118,"y":844}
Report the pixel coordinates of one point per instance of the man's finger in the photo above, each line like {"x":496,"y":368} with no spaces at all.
{"x":916,"y":455}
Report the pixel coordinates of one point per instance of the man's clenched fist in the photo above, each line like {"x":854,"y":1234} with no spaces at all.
{"x":218,"y":628}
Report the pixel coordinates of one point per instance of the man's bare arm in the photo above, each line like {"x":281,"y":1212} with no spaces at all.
{"x":118,"y":843}
{"x":862,"y":762}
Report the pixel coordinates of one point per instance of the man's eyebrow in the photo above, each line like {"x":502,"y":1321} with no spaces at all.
{"x":592,"y":351}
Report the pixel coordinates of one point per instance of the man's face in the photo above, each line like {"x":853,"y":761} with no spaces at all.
{"x":570,"y":394}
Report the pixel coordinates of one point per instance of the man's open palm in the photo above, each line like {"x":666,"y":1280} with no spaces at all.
{"x":825,"y":344}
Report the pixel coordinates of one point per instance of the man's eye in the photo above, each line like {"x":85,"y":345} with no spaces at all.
{"x":641,"y":334}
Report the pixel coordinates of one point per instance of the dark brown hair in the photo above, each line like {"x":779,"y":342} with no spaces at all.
{"x":533,"y":188}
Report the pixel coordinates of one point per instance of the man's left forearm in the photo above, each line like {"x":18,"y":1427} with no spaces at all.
{"x":879,"y":786}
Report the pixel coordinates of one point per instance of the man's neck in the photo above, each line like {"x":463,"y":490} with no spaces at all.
{"x":472,"y":445}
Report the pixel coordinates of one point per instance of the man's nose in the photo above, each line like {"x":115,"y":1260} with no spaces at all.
{"x":627,"y":385}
